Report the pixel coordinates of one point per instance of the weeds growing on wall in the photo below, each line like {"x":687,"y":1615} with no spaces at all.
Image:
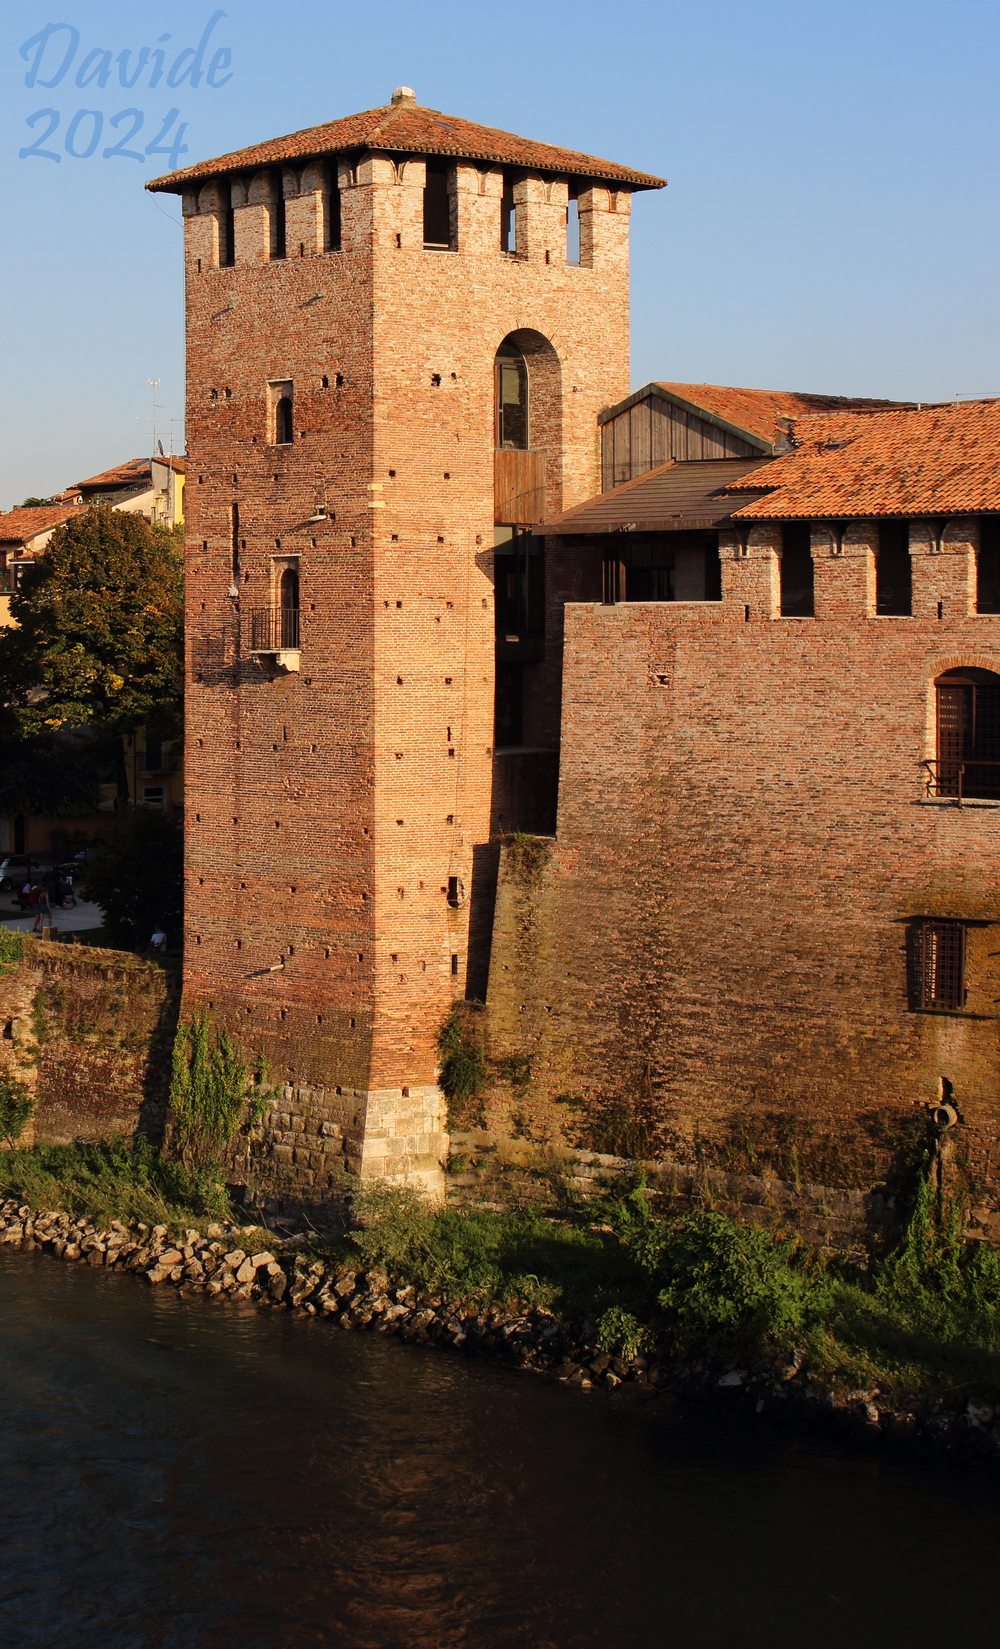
{"x":525,"y":857}
{"x":11,"y":948}
{"x":216,"y":1094}
{"x":462,"y":1048}
{"x":16,"y":1108}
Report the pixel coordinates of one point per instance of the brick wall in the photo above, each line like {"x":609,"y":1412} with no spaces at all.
{"x":90,"y":1033}
{"x":713,"y":960}
{"x":327,"y":810}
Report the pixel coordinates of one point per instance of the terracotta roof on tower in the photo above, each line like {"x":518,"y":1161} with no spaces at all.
{"x":758,"y":410}
{"x":938,"y":460}
{"x":405,"y":127}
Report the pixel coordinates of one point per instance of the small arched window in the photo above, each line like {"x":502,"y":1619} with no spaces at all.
{"x":968,"y":733}
{"x":288,"y":607}
{"x":283,"y":421}
{"x":511,"y":398}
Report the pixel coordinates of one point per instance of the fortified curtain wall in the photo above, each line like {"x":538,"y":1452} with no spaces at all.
{"x":711,"y":963}
{"x":89,"y":1033}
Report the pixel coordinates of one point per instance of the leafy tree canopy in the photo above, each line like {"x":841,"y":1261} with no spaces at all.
{"x":136,"y":878}
{"x":57,"y":778}
{"x":98,"y":634}
{"x":34,"y":503}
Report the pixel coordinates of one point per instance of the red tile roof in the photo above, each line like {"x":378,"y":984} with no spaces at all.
{"x":938,"y":460}
{"x":758,"y":411}
{"x":410,"y":129}
{"x":130,"y":474}
{"x":19,"y":526}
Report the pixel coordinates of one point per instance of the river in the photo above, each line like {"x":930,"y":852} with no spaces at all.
{"x":183,"y":1475}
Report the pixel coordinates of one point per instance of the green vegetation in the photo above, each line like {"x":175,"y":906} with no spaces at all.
{"x":462,"y":1046}
{"x":95,"y":646}
{"x":112,"y":1180}
{"x":11,"y":949}
{"x":525,"y":857}
{"x":16,"y":1108}
{"x":926,"y":1319}
{"x":216,"y":1094}
{"x":923,"y":1323}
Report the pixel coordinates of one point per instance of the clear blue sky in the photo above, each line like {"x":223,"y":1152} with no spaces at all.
{"x":831,"y":221}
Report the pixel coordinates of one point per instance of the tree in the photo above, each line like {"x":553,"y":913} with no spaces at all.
{"x":136,"y":877}
{"x":33,"y":503}
{"x":98,"y":629}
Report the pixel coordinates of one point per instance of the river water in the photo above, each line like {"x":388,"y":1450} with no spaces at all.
{"x":181,"y":1475}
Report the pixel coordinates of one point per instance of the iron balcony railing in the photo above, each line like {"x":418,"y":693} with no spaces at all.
{"x":963,"y":779}
{"x":274,"y":629}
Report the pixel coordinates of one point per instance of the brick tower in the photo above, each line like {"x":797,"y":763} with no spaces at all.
{"x":400,"y":330}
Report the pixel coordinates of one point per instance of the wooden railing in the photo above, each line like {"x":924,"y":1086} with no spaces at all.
{"x":519,"y":485}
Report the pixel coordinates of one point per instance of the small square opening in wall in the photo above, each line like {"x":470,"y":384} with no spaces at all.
{"x":456,"y":892}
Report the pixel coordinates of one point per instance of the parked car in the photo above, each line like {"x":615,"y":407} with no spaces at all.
{"x":19,"y":868}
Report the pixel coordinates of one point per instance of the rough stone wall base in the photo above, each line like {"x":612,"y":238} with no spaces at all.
{"x":486,"y":1169}
{"x":405,"y":1140}
{"x":318,"y":1137}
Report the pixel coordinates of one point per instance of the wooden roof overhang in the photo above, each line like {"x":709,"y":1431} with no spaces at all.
{"x":676,"y":497}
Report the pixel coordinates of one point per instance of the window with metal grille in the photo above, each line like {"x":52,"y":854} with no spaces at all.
{"x":968,"y":734}
{"x":937,"y":965}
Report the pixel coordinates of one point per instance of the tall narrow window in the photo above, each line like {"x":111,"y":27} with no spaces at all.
{"x":512,"y":398}
{"x":331,"y":211}
{"x":937,"y":965}
{"x":893,"y":581}
{"x":280,"y":412}
{"x":288,"y":608}
{"x":988,"y":566}
{"x":277,"y":220}
{"x":968,"y":734}
{"x":439,"y":215}
{"x":234,"y":524}
{"x":508,"y":217}
{"x":573,"y":229}
{"x":227,"y":236}
{"x":796,"y":570}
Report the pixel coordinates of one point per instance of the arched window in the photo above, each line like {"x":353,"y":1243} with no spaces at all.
{"x":288,"y":605}
{"x":511,"y":398}
{"x":283,"y":421}
{"x":968,"y":733}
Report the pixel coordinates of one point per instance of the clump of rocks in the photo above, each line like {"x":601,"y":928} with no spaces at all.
{"x":221,"y":1263}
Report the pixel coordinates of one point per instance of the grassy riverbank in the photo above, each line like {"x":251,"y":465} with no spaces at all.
{"x":924,"y":1322}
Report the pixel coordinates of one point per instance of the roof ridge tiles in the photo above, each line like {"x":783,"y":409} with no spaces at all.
{"x":406,"y":127}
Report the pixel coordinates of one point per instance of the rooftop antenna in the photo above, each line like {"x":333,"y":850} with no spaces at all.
{"x":154,"y":384}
